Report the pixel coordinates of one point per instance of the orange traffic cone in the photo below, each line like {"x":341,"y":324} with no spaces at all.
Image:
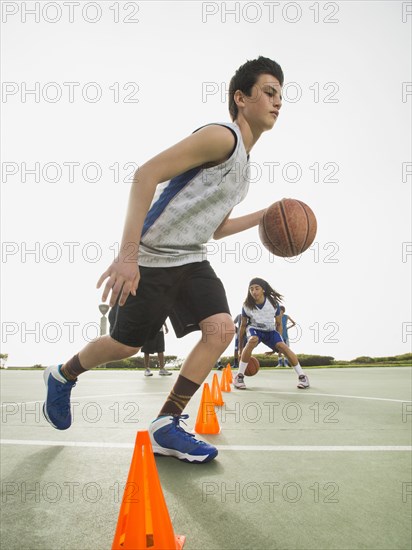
{"x":216,"y":393}
{"x":207,"y":422}
{"x":144,"y":521}
{"x":229,"y":373}
{"x":224,"y":383}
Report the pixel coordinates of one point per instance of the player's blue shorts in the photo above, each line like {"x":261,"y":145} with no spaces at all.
{"x":268,"y":337}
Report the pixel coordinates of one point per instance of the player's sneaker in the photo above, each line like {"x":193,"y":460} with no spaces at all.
{"x":164,"y":372}
{"x":148,"y":372}
{"x":303,"y":382}
{"x":168,"y":438}
{"x":56,"y":408}
{"x":239,"y":381}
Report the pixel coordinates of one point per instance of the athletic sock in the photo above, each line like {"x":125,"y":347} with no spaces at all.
{"x":182,"y":392}
{"x":72,"y":368}
{"x":242,"y":367}
{"x":298,"y":369}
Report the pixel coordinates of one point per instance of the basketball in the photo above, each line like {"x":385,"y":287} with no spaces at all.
{"x":252,"y":367}
{"x":287,"y":228}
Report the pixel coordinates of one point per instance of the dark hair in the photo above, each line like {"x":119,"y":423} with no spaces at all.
{"x":246,"y":77}
{"x":271,"y":294}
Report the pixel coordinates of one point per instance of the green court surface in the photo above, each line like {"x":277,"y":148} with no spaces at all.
{"x":325,"y":468}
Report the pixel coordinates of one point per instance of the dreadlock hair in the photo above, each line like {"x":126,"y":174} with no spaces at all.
{"x":271,"y":294}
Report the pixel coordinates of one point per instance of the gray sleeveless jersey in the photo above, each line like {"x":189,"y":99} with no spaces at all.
{"x":187,"y":210}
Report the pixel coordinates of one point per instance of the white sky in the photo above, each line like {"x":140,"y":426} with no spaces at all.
{"x":347,"y":107}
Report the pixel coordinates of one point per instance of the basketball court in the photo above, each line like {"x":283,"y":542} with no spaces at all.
{"x":327,"y":468}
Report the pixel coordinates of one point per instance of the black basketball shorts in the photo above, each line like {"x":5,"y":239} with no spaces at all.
{"x":186,"y":294}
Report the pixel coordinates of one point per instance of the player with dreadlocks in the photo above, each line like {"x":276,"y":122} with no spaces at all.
{"x":262,"y":322}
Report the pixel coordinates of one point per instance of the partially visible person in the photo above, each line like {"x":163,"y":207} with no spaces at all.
{"x":261,"y":322}
{"x":156,"y":345}
{"x":287,"y":323}
{"x":219,"y":364}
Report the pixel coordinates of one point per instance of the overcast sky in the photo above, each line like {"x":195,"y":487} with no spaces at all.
{"x":91,"y":90}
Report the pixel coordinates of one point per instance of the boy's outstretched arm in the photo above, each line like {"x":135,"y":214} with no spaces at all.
{"x":230,"y":226}
{"x":212,"y":144}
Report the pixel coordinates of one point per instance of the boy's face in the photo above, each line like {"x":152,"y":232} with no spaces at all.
{"x":262,"y":107}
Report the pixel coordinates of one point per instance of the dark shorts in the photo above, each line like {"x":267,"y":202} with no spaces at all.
{"x":155,"y":345}
{"x":186,"y":294}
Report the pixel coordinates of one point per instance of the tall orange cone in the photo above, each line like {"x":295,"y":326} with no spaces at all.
{"x":224,"y":383}
{"x":229,"y":373}
{"x":216,"y":393}
{"x":144,"y":521}
{"x":207,"y":422}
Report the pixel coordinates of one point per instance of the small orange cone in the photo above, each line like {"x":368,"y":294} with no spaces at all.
{"x":216,"y":393}
{"x":207,"y":422}
{"x":144,"y":521}
{"x":224,"y":383}
{"x":229,"y":373}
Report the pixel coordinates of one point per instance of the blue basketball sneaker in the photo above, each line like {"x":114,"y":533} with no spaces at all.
{"x":56,"y":408}
{"x":170,"y":439}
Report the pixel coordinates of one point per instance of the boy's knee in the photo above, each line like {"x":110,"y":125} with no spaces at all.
{"x":131,"y":350}
{"x":253,"y":341}
{"x":125,"y":351}
{"x":218,"y":329}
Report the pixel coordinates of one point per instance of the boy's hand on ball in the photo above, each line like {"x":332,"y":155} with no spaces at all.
{"x":123,"y":279}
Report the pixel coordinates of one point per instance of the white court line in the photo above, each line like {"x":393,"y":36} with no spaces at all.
{"x":149,"y":394}
{"x":335,"y":395}
{"x":255,"y":448}
{"x":7,"y":403}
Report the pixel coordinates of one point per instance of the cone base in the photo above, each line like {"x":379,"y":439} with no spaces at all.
{"x":180,"y":540}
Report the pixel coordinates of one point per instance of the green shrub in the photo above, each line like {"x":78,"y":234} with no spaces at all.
{"x":315,"y":360}
{"x":363,"y":360}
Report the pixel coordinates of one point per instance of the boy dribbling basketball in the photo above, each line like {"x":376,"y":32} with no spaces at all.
{"x":179,"y":200}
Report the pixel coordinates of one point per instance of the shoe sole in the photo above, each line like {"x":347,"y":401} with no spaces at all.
{"x":46,"y":375}
{"x":160,"y":451}
{"x":46,"y":416}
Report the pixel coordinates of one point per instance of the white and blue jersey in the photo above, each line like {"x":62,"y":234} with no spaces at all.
{"x":262,"y":316}
{"x":187,"y":210}
{"x":261,"y":323}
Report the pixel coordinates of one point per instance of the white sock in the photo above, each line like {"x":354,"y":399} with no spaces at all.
{"x":242,"y":367}
{"x":298,"y":369}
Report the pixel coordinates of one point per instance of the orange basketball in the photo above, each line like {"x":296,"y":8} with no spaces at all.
{"x":252,"y":367}
{"x":287,"y":228}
